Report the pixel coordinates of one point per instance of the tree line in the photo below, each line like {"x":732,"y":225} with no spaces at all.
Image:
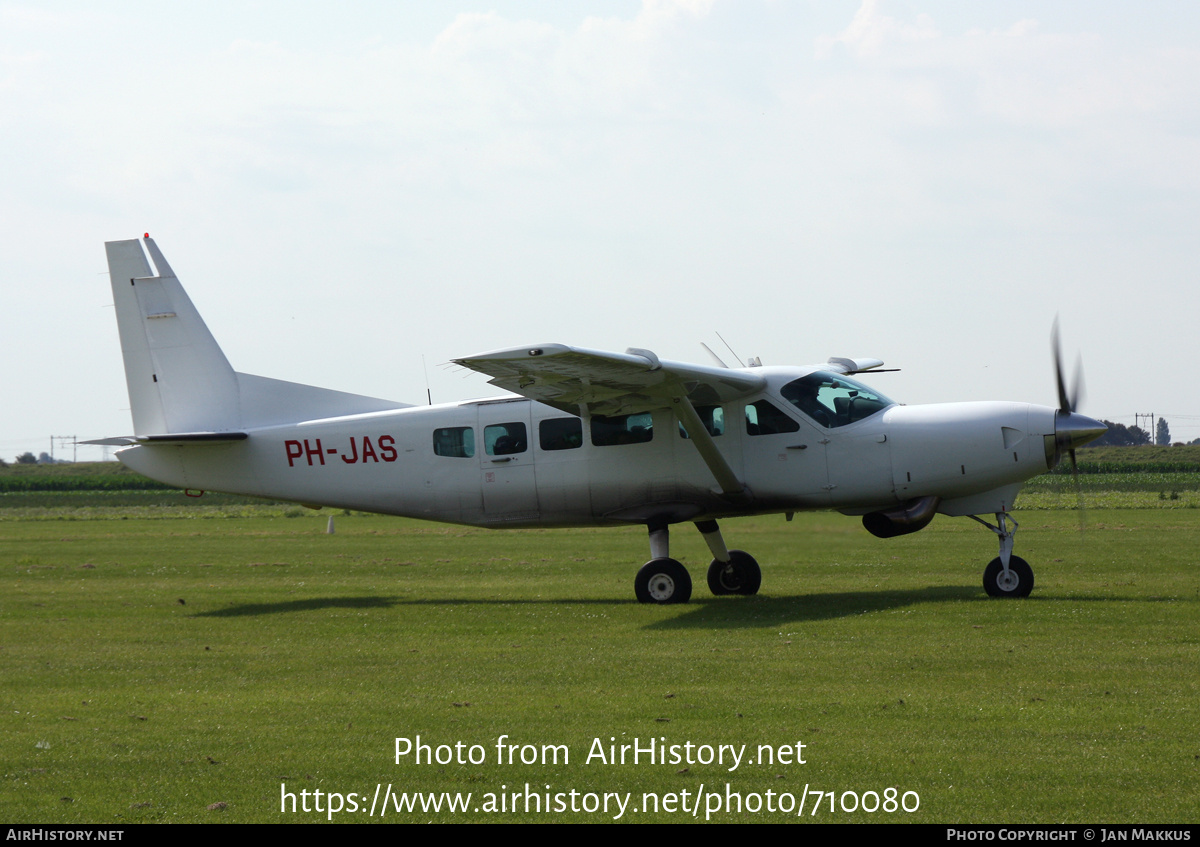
{"x":1119,"y":435}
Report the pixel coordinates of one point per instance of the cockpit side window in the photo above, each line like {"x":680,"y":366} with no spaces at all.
{"x":833,"y":400}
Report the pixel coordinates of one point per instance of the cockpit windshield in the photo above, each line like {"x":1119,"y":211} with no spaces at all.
{"x":833,"y":400}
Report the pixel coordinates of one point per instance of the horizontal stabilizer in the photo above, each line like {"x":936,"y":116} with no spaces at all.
{"x":178,"y":439}
{"x":183,"y":438}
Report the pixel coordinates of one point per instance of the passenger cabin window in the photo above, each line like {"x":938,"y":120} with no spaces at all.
{"x":713,"y":418}
{"x":763,"y":418}
{"x":505,"y":439}
{"x":833,"y":400}
{"x":455,"y":441}
{"x":560,"y":433}
{"x":622,"y":429}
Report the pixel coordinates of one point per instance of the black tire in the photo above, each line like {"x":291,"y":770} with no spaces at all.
{"x":663,"y":581}
{"x":1021,"y":576}
{"x":741,"y":575}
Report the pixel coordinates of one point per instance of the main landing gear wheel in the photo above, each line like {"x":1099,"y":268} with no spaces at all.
{"x":740,"y":575}
{"x":1018,"y":582}
{"x":663,"y":581}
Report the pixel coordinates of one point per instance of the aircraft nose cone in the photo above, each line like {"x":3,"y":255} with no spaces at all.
{"x":1072,"y":430}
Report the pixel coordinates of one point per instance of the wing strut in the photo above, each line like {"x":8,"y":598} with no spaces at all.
{"x":731,"y":486}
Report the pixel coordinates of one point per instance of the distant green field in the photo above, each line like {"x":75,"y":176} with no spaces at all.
{"x":1187,"y":456}
{"x":182,"y":669}
{"x":1109,"y":477}
{"x":92,"y":489}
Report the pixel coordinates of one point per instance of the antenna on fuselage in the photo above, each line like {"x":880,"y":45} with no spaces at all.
{"x":428,"y":393}
{"x":754,"y":362}
{"x":716,"y":358}
{"x":736,"y":357}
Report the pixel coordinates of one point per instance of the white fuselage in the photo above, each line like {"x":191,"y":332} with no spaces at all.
{"x":972,"y":455}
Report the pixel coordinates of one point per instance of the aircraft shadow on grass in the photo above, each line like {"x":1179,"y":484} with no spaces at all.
{"x":801,"y":608}
{"x":310,"y":605}
{"x":712,"y":614}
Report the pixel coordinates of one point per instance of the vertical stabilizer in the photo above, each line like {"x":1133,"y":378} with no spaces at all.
{"x":178,"y":378}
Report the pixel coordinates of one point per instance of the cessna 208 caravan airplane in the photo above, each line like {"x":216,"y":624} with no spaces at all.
{"x":591,"y":439}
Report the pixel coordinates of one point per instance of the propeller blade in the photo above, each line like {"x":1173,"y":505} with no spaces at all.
{"x":1078,"y":392}
{"x":1071,"y":429}
{"x":1064,"y":401}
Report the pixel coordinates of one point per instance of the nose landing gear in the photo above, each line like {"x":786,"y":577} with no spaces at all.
{"x":1006,"y":575}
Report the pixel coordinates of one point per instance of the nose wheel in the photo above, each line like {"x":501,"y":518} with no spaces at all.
{"x":1006,"y":575}
{"x":1017,"y":581}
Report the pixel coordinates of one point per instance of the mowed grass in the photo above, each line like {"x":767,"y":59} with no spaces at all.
{"x":150,"y":669}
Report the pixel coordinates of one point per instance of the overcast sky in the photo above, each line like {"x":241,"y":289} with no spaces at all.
{"x":355,"y":193}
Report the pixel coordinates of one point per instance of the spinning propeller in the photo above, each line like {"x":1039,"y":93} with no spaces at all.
{"x":1071,"y":429}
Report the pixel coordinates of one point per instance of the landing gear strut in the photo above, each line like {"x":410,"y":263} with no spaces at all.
{"x":664,"y":580}
{"x":1006,"y":575}
{"x":731,"y":571}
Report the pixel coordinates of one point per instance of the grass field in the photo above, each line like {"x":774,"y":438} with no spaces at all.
{"x":154,"y":668}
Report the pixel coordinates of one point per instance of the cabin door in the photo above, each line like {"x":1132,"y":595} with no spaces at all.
{"x":506,"y":461}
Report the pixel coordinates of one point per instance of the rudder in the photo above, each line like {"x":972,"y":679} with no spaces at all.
{"x":178,"y":378}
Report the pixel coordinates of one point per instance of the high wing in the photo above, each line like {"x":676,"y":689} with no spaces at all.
{"x":577,"y":380}
{"x":580,"y":381}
